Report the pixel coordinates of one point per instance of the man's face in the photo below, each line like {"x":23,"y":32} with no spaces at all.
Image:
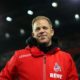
{"x":42,"y":31}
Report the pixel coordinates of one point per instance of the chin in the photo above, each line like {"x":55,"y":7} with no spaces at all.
{"x":43,"y":41}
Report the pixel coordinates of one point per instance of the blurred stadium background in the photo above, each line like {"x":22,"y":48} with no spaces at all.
{"x":15,"y":25}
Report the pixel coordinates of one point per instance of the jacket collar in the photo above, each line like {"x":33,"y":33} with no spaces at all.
{"x":36,"y":52}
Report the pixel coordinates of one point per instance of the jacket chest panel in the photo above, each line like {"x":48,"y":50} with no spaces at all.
{"x":32,"y":67}
{"x":42,"y":68}
{"x":53,"y":68}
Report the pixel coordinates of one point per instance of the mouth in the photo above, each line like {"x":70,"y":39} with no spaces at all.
{"x":42,"y":37}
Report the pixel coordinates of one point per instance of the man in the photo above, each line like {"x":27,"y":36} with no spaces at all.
{"x":41,"y":59}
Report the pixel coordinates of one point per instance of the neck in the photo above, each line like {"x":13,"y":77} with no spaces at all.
{"x":48,"y":44}
{"x":45,"y":47}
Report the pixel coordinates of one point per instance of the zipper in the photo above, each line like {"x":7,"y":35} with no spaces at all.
{"x":44,"y":67}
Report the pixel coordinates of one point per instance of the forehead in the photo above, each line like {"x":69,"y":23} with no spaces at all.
{"x":41,"y":22}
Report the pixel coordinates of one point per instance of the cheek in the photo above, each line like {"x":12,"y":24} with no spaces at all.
{"x":50,"y":35}
{"x":49,"y":32}
{"x":35,"y":35}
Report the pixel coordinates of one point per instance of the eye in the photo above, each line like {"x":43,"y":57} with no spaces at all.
{"x":37,"y":29}
{"x":44,"y":27}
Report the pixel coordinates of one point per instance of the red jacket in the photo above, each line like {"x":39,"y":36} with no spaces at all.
{"x":33,"y":64}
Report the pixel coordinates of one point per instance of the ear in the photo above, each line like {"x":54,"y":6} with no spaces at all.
{"x":32,"y":34}
{"x":52,"y":32}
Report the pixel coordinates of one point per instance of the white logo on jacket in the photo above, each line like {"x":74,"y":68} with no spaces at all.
{"x":57,"y":67}
{"x":24,"y":55}
{"x":55,"y":75}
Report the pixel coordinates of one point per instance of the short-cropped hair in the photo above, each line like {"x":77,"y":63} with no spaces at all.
{"x":41,"y":17}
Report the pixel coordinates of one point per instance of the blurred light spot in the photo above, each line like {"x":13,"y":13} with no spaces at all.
{"x":22,"y":31}
{"x":8,"y":19}
{"x":77,"y":17}
{"x":7,"y":35}
{"x":30,"y":12}
{"x":57,"y":23}
{"x":54,"y":4}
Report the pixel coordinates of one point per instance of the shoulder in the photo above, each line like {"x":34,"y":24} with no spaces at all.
{"x":18,"y":55}
{"x":64,"y":54}
{"x":65,"y":57}
{"x":22,"y":52}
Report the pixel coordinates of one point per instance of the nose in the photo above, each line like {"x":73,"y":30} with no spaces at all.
{"x":41,"y":31}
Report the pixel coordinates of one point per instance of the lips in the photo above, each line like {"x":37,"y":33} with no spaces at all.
{"x":42,"y":37}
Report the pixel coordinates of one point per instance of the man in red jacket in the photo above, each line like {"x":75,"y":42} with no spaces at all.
{"x":41,"y":59}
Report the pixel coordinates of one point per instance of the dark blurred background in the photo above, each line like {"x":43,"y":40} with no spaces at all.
{"x":15,"y":25}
